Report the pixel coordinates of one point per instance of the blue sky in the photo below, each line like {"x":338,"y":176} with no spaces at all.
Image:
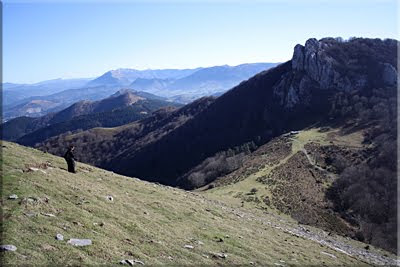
{"x":44,"y":40}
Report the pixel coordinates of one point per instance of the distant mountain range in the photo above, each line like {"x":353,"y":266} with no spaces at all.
{"x":174,"y":85}
{"x":13,"y":92}
{"x":123,"y":107}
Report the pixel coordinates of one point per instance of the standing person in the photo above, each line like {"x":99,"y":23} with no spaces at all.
{"x":70,"y":158}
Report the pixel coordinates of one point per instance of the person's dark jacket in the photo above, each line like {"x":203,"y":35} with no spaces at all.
{"x":69,"y":156}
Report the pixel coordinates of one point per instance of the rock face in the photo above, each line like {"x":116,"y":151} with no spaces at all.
{"x":327,"y":64}
{"x":389,"y":74}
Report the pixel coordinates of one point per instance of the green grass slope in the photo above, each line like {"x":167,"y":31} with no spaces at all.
{"x":145,"y":221}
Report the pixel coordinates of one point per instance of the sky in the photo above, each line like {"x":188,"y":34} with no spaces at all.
{"x":45,"y":40}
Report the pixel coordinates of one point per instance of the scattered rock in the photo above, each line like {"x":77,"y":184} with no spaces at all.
{"x":8,"y":248}
{"x":219,"y":240}
{"x":227,"y":236}
{"x":131,"y":262}
{"x":366,"y":247}
{"x":278,"y":264}
{"x":78,"y":223}
{"x":30,"y":214}
{"x":199,"y":242}
{"x":155,"y":241}
{"x":205,"y":256}
{"x":48,"y":247}
{"x":251,"y":263}
{"x":188,"y":247}
{"x":220,"y":255}
{"x":48,"y":214}
{"x":79,"y":242}
{"x":59,"y":237}
{"x":126,"y":262}
{"x":33,"y":169}
{"x":328,"y":254}
{"x":43,"y":171}
{"x":110,"y":198}
{"x":13,"y":196}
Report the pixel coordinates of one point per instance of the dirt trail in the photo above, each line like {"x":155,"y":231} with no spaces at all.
{"x":312,"y":161}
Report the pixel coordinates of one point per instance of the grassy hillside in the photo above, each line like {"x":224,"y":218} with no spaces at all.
{"x":146,"y":222}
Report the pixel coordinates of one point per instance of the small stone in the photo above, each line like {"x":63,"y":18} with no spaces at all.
{"x":205,"y":256}
{"x":227,"y":236}
{"x":170,"y":258}
{"x":131,"y":262}
{"x":59,"y":237}
{"x":43,"y":171}
{"x":48,"y":247}
{"x":33,"y":169}
{"x":13,"y":196}
{"x":8,"y":248}
{"x":49,"y":215}
{"x":200,"y":242}
{"x":188,"y":247}
{"x":221,"y":255}
{"x":251,"y":263}
{"x":79,"y":242}
{"x":328,"y":254}
{"x":110,"y":198}
{"x":30,"y":214}
{"x":78,"y":223}
{"x":125,"y":262}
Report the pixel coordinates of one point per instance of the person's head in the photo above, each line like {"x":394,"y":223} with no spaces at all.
{"x":71,"y":147}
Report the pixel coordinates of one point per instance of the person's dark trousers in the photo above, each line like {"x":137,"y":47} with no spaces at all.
{"x":71,"y":166}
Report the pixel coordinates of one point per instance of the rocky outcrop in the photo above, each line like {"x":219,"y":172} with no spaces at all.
{"x":324,"y":64}
{"x":389,"y":74}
